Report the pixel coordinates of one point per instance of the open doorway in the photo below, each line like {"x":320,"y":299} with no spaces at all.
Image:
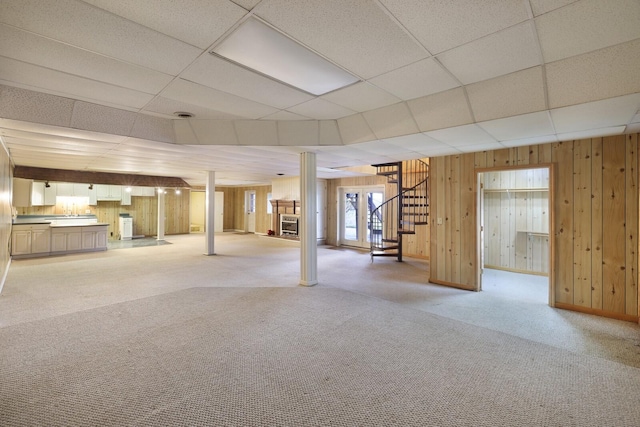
{"x":198,"y":212}
{"x":356,"y":205}
{"x":514,"y":213}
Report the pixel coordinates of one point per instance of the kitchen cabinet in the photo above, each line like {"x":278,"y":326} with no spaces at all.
{"x":41,"y":195}
{"x":30,"y":239}
{"x":67,"y":189}
{"x":108,"y":192}
{"x":143,"y":191}
{"x":21,"y":192}
{"x":126,"y":197}
{"x":79,"y":239}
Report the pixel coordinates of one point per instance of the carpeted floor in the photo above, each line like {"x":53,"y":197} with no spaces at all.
{"x":192,"y":340}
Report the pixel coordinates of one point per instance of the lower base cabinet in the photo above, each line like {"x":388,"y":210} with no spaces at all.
{"x":79,"y":239}
{"x":27,"y":240}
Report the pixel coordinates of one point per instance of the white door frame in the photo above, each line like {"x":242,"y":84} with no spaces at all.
{"x":249,"y":212}
{"x":362,"y":210}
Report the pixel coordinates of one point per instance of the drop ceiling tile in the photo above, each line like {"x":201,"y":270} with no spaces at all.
{"x":298,"y":132}
{"x":355,"y":34}
{"x":501,"y":53}
{"x":247,"y":4}
{"x":540,"y":7}
{"x":354,"y":129}
{"x":394,"y":120}
{"x":153,"y":128}
{"x":60,"y":131}
{"x":321,"y":109}
{"x":80,"y":24}
{"x":214,"y":132}
{"x":415,"y":80}
{"x":381,"y":147}
{"x":474,"y":148}
{"x":254,"y":132}
{"x":329,"y":133}
{"x":441,"y":110}
{"x":587,"y":25}
{"x":536,"y":140}
{"x":197,"y":22}
{"x":28,"y":47}
{"x":168,"y":108}
{"x":30,"y":106}
{"x":603,"y":74}
{"x":462,"y":135}
{"x":216,"y":73}
{"x":519,"y":127}
{"x":596,"y":115}
{"x":361,"y":97}
{"x":28,"y":76}
{"x":203,"y":96}
{"x":633,"y":128}
{"x":442,"y":25}
{"x":516,"y":93}
{"x":98,"y":118}
{"x":416,"y":142}
{"x":184,"y":132}
{"x":284,"y":115}
{"x":591,"y":133}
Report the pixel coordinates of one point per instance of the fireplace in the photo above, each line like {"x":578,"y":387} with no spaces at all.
{"x":289,"y":224}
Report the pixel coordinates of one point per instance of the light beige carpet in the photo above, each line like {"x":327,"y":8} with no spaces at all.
{"x":295,"y":357}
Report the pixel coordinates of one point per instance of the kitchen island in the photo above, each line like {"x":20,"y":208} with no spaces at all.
{"x":37,"y":236}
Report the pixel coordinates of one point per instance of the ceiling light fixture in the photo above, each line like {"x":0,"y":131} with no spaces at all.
{"x":46,"y":184}
{"x":260,"y":47}
{"x":90,"y":186}
{"x":183,"y":114}
{"x":177,"y":191}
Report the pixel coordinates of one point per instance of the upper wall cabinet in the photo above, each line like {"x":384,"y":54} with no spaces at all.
{"x":21,"y":192}
{"x":66,"y":189}
{"x":109,"y":192}
{"x":143,"y":191}
{"x":41,"y":195}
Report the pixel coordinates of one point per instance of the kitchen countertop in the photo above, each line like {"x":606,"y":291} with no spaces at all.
{"x":88,"y":224}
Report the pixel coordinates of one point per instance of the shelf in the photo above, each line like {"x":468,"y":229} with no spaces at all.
{"x":533,"y":233}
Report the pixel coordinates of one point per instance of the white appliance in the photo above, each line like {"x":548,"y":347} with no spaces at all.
{"x":126,"y":228}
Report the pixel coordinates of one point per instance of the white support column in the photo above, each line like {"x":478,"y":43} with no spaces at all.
{"x":210,"y":198}
{"x":160,"y":213}
{"x":308,"y":220}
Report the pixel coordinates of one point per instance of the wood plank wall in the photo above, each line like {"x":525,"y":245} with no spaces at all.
{"x":144,"y":211}
{"x":516,"y":220}
{"x":234,"y":207}
{"x":594,"y":220}
{"x":5,"y":211}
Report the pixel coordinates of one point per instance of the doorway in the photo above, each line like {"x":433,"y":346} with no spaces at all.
{"x":514,"y":242}
{"x":355,"y":207}
{"x":250,"y":211}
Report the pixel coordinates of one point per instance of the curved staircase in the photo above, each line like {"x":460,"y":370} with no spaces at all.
{"x":401,"y":214}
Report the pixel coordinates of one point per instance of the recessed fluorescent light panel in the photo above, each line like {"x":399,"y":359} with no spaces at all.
{"x":259,"y":47}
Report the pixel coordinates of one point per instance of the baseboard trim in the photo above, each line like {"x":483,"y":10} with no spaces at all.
{"x":516,"y":270}
{"x":597,"y":312}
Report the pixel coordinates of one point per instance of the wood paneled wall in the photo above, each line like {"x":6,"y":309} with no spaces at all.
{"x":144,"y":211}
{"x":234,"y":213}
{"x":516,"y":220}
{"x":6,"y":180}
{"x":594,"y":220}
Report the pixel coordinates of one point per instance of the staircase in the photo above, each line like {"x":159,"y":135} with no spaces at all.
{"x":399,"y":215}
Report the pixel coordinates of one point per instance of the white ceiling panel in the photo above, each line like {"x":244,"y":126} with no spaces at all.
{"x":633,"y":128}
{"x":591,"y":133}
{"x":416,"y":142}
{"x":518,"y":127}
{"x":441,"y":26}
{"x":298,"y":132}
{"x":530,"y":141}
{"x":252,"y":132}
{"x":80,"y":24}
{"x":168,"y":108}
{"x":284,"y":115}
{"x":184,"y":132}
{"x":103,"y":119}
{"x":28,"y":47}
{"x":462,"y":135}
{"x":587,"y":25}
{"x":358,"y":35}
{"x":391,"y":121}
{"x":214,"y":132}
{"x":217,"y":73}
{"x":321,"y":109}
{"x":596,"y":115}
{"x":35,"y":107}
{"x":510,"y":50}
{"x":480,"y":147}
{"x":540,"y":7}
{"x":381,"y":147}
{"x":441,"y":110}
{"x":361,"y":97}
{"x":603,"y":74}
{"x":197,"y":22}
{"x":354,"y":129}
{"x":60,"y":131}
{"x":415,"y":80}
{"x":37,"y":78}
{"x":203,"y":96}
{"x":517,"y":93}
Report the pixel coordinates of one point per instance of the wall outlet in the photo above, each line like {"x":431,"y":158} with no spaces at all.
{"x":439,"y":221}
{"x":87,"y":211}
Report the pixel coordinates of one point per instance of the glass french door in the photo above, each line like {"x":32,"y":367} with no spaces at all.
{"x":356,"y":205}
